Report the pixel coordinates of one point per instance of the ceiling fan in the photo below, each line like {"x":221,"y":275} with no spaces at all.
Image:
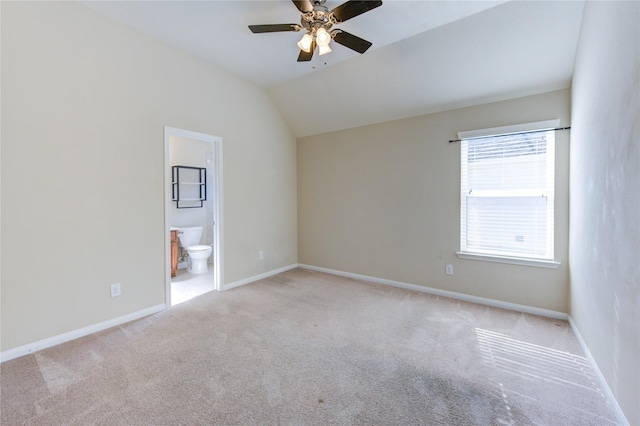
{"x":317,"y":21}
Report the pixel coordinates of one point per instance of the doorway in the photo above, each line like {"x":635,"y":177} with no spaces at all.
{"x":209,"y":216}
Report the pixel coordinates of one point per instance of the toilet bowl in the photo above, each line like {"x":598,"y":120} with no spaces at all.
{"x":197,"y":261}
{"x":189,"y":239}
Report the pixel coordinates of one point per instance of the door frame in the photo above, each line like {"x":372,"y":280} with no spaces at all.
{"x":217,"y":205}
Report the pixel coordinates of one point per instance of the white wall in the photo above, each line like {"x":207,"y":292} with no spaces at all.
{"x":84,"y":102}
{"x":384,"y":201}
{"x":191,"y":153}
{"x":605,"y":196}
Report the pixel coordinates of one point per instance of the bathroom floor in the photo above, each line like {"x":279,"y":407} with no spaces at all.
{"x":185,"y":286}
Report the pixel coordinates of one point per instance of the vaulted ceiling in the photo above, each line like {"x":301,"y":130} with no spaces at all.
{"x":427,"y":56}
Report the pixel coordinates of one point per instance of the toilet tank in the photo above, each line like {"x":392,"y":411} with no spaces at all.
{"x":189,"y":235}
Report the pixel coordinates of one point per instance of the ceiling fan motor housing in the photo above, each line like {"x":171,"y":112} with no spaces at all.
{"x":319,"y":17}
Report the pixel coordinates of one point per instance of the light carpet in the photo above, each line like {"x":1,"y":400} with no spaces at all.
{"x":308,"y":348}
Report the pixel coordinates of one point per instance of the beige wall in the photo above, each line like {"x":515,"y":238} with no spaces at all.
{"x":605,"y":196}
{"x":84,"y":102}
{"x":384,"y":201}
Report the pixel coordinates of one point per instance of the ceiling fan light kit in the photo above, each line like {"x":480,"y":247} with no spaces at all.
{"x":305,"y":42}
{"x":323,"y":50}
{"x":322,"y":37}
{"x":317,"y":21}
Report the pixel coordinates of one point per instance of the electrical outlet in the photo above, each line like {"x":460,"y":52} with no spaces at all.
{"x":260,"y":255}
{"x":115,"y":290}
{"x":448,"y":269}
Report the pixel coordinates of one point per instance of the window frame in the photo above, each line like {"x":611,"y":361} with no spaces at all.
{"x":500,"y":258}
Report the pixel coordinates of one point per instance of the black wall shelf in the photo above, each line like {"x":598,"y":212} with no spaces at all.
{"x":188,"y":186}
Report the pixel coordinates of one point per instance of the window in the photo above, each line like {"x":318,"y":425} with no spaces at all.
{"x":507,"y":195}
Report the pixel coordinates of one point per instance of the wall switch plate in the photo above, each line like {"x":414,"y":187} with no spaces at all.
{"x":115,"y":290}
{"x":448,"y":269}
{"x":261,"y":255}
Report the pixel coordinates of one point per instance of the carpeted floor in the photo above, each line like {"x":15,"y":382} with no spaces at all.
{"x":307,"y":348}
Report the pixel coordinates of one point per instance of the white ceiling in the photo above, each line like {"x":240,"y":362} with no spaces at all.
{"x":427,"y":56}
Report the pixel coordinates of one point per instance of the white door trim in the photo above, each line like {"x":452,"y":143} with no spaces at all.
{"x":217,"y":205}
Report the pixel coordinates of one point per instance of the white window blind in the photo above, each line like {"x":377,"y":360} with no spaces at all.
{"x":507,"y":195}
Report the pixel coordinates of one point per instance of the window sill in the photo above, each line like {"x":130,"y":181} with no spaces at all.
{"x":549,"y":264}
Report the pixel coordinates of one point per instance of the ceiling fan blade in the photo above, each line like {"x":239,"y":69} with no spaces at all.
{"x":273,"y":28}
{"x":303,"y":6}
{"x":306,"y":56}
{"x":352,"y":42}
{"x":353,"y":8}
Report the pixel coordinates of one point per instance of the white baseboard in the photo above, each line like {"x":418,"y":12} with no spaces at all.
{"x":75,"y":334}
{"x":258,"y":277}
{"x":450,"y":294}
{"x":622,"y":419}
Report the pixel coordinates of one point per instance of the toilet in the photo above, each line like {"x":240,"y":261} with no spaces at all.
{"x":189,"y":239}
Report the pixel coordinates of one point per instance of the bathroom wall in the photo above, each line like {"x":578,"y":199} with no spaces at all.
{"x":193,"y":153}
{"x":84,"y":105}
